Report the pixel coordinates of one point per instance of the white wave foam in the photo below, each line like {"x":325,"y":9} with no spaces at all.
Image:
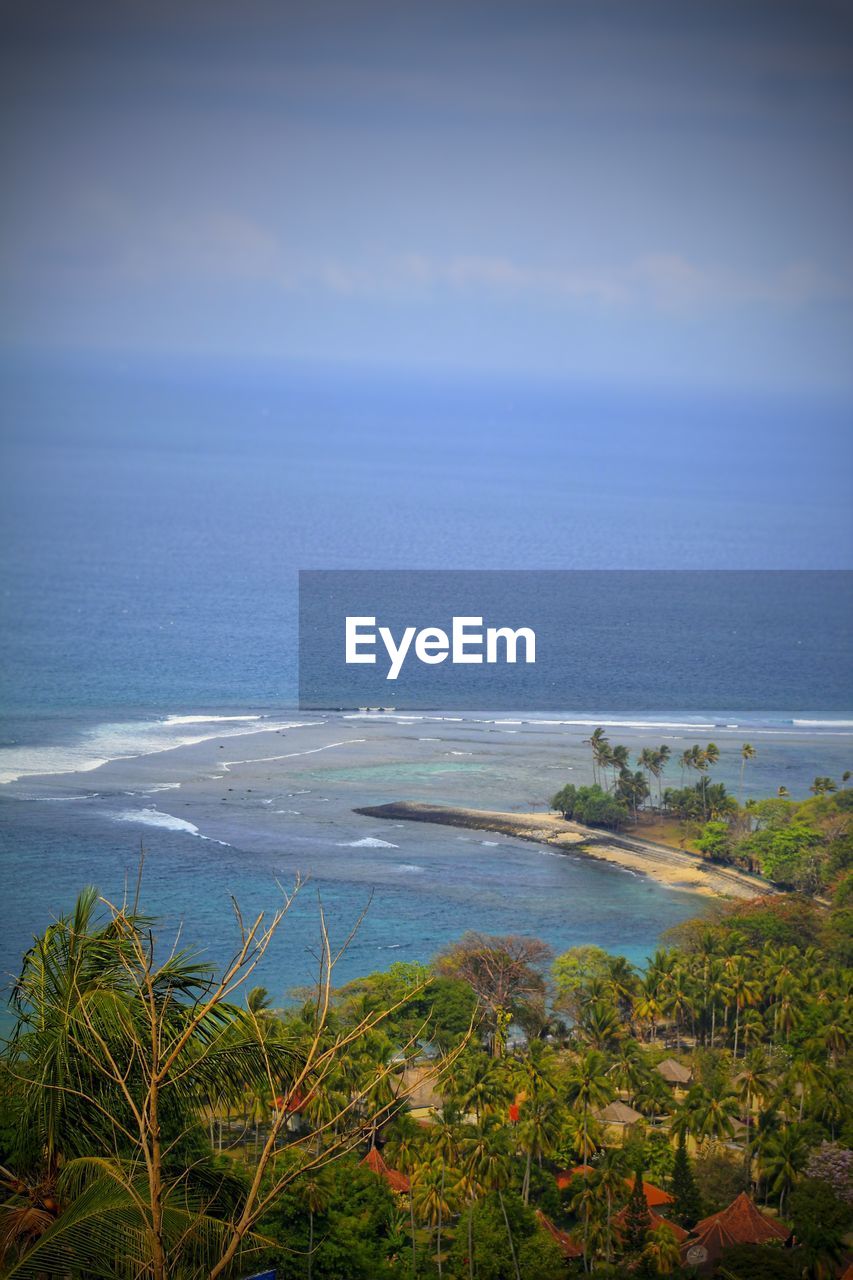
{"x":290,"y":755}
{"x":633,"y":724}
{"x":411,"y":868}
{"x":368,"y":842}
{"x":824,"y":724}
{"x":207,"y":719}
{"x":166,"y":821}
{"x":104,"y":743}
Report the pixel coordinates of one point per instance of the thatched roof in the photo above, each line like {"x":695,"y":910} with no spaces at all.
{"x":673,"y":1072}
{"x":618,"y":1113}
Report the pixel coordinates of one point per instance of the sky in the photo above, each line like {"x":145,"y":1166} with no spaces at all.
{"x":630,"y":193}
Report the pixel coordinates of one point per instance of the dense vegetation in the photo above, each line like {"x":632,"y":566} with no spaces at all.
{"x":156,"y":1125}
{"x":805,"y":845}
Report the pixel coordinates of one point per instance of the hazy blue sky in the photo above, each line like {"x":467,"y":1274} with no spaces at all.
{"x":629,"y":191}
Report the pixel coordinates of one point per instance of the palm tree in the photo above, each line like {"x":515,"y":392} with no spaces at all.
{"x":782,"y":1159}
{"x":716,"y":992}
{"x":787,"y":1007}
{"x":628,"y":1069}
{"x":648,"y":761}
{"x":822,"y":786}
{"x":403,"y":1150}
{"x":444,"y":1144}
{"x":618,"y":760}
{"x":752,"y":1082}
{"x":647,"y":1008}
{"x":703,"y":761}
{"x":482,"y":1084}
{"x":621,"y":982}
{"x":598,"y":744}
{"x":600,"y":1026}
{"x":611,"y":1180}
{"x":540,"y":1125}
{"x":716,"y":1110}
{"x":587,"y":1203}
{"x":687,"y":760}
{"x":743,"y":990}
{"x":783,"y":793}
{"x":588,"y":1087}
{"x":488,"y":1162}
{"x":679,"y":1000}
{"x":662,"y":1251}
{"x":747,"y":752}
{"x":315,"y":1196}
{"x":428,"y":1195}
{"x":661,"y":757}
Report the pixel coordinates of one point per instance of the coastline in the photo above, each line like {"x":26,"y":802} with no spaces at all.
{"x":676,"y":868}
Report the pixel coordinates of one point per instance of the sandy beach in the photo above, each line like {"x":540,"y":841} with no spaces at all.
{"x":673,"y":867}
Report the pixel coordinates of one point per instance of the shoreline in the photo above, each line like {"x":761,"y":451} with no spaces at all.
{"x":675,"y":868}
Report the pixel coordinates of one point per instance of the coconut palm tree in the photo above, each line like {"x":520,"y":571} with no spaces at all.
{"x":588,"y":1087}
{"x":743,"y":989}
{"x":482,"y":1085}
{"x":752,"y":1083}
{"x":588,"y":1204}
{"x":782,"y":1160}
{"x":678,"y":1000}
{"x":599,"y":746}
{"x":487,"y":1159}
{"x":648,"y":1009}
{"x":648,"y":761}
{"x":315,"y":1195}
{"x":662,"y":758}
{"x":403,"y":1148}
{"x":662,"y":1251}
{"x":610,"y":1182}
{"x":716,"y":1111}
{"x":430,"y":1199}
{"x":629,"y":1070}
{"x":540,"y":1126}
{"x":444,"y":1146}
{"x":747,"y":752}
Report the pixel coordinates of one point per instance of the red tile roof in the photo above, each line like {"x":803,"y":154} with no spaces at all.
{"x":655,"y":1196}
{"x":396,"y":1181}
{"x":740,"y":1223}
{"x":655,"y":1220}
{"x":747,"y":1224}
{"x":565,"y":1176}
{"x":568,"y":1244}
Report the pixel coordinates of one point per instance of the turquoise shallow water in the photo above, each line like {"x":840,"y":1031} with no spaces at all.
{"x":153,"y":526}
{"x":241,"y":814}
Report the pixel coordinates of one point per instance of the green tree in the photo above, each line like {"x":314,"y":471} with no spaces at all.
{"x":747,"y":752}
{"x":637,"y":1218}
{"x":687,"y":1203}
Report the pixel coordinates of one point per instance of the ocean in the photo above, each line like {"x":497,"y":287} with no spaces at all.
{"x":153,"y":529}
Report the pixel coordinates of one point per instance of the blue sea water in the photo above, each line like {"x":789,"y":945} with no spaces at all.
{"x":153,"y":524}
